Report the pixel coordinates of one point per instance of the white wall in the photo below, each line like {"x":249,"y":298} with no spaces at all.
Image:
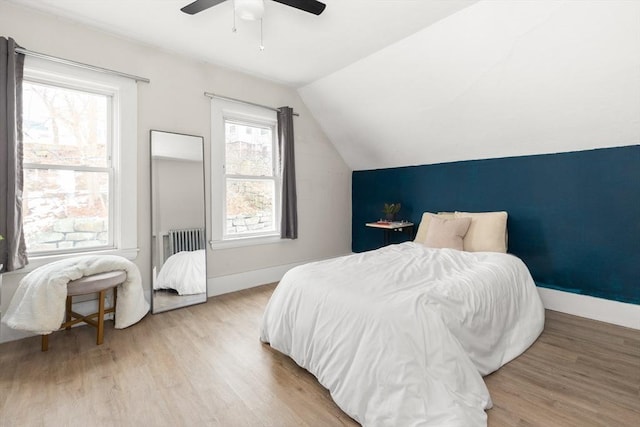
{"x":499,"y":78}
{"x":174,"y":101}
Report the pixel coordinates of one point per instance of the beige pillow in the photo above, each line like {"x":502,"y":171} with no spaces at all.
{"x":487,"y":232}
{"x":446,"y":233}
{"x":421,"y":234}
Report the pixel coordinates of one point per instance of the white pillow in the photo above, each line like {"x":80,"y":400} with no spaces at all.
{"x":487,"y":232}
{"x":447,"y":233}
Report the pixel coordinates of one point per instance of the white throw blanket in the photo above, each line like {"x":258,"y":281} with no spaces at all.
{"x":39,"y":302}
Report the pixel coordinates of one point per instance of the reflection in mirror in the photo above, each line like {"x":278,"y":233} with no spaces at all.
{"x":178,"y":221}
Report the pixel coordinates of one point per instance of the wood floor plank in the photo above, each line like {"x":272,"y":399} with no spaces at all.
{"x":205,"y":365}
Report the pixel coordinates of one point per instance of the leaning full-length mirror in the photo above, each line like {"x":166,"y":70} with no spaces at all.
{"x":178,"y":237}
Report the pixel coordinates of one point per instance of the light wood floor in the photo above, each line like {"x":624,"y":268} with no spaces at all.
{"x":204,"y":365}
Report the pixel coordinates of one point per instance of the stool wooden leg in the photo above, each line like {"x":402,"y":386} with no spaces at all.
{"x":68,"y":317}
{"x":115,"y":300}
{"x":45,"y":342}
{"x":100,"y":317}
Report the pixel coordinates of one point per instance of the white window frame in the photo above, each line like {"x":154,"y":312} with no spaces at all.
{"x":124,"y":152}
{"x":222,"y":111}
{"x":105,"y":169}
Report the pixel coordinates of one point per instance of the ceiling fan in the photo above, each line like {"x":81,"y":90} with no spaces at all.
{"x":311,"y":6}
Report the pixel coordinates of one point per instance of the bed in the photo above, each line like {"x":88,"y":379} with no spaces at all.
{"x":184,"y":272}
{"x":402,"y":335}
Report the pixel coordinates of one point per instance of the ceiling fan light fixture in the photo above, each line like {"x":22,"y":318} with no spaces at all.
{"x":249,"y":10}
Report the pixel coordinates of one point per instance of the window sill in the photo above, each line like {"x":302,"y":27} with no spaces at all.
{"x":246,"y":241}
{"x":39,"y":261}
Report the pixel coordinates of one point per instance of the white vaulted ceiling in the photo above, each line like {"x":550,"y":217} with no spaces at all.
{"x":497,"y":79}
{"x":299,"y":47}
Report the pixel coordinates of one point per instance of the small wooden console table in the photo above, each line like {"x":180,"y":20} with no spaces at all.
{"x":392,"y":226}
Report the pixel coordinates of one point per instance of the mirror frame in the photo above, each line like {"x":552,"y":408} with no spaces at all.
{"x":185,"y":300}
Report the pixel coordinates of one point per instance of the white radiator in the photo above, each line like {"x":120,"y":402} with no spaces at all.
{"x":191,"y":239}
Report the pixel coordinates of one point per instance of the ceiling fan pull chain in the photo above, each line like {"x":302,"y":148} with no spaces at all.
{"x":234,"y":29}
{"x":261,"y":38}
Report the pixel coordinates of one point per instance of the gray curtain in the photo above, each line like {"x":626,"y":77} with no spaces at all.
{"x":13,"y":253}
{"x":289,"y":221}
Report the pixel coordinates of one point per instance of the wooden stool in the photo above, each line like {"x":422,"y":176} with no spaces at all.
{"x":99,"y":283}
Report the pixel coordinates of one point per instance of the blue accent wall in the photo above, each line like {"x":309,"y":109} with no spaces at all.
{"x":574,"y":218}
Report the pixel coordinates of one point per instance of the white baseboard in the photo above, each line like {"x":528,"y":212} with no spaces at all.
{"x":249,"y":279}
{"x":7,"y":334}
{"x":604,"y":310}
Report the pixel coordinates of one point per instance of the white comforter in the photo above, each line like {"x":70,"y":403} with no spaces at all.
{"x":185,"y":272}
{"x":401,"y":336}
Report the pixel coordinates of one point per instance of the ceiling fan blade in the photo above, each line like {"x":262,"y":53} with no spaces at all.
{"x":200,"y":5}
{"x":311,"y":6}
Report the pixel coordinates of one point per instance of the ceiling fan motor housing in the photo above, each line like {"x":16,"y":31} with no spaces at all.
{"x":249,"y":10}
{"x":254,"y":9}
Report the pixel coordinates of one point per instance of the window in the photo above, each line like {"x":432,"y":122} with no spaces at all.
{"x":79,"y":140}
{"x":247,"y":192}
{"x":251,"y":181}
{"x":67,"y":168}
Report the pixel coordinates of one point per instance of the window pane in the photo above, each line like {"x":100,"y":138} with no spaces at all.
{"x":64,"y":126}
{"x":248,"y":149}
{"x":65,"y":209}
{"x":250,"y":206}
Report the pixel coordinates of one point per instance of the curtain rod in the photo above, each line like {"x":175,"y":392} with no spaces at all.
{"x":240,"y":101}
{"x":79,"y":64}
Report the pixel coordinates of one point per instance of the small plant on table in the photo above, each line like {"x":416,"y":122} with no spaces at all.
{"x":390,"y":210}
